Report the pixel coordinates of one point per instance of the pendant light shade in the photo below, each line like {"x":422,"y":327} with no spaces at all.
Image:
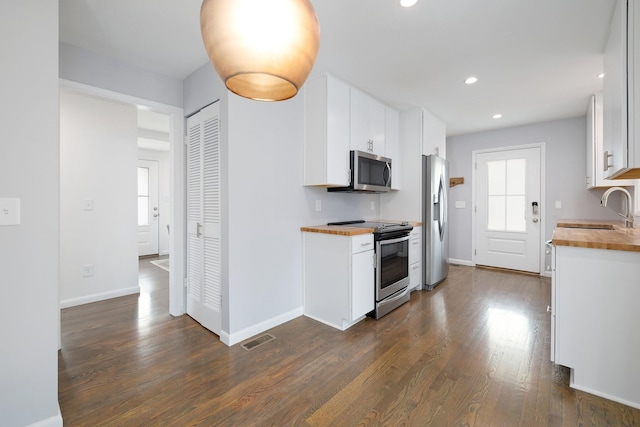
{"x":261,"y":49}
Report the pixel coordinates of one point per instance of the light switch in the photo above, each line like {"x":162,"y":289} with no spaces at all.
{"x":461,"y":204}
{"x":318,"y":205}
{"x":558,"y":204}
{"x":10,"y":211}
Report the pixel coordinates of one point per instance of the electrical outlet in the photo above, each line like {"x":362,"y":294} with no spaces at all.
{"x":318,"y":205}
{"x":87,"y":270}
{"x":373,"y":205}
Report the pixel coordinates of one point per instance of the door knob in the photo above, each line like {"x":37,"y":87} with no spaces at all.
{"x":155,"y":215}
{"x":535,"y":219}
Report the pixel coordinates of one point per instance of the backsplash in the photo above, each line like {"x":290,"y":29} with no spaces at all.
{"x":340,"y":206}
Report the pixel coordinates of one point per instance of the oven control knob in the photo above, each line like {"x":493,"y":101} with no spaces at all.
{"x":404,"y":223}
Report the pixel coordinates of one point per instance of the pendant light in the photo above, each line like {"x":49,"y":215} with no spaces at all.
{"x":261,"y":49}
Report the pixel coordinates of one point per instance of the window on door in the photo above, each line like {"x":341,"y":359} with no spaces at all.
{"x":506,"y":195}
{"x":143,"y":196}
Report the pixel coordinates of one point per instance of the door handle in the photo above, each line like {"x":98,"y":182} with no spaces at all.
{"x":535,"y":219}
{"x":155,"y":215}
{"x":534,"y":208}
{"x":198,"y":229}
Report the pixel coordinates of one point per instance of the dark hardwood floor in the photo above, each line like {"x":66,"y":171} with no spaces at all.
{"x":473,"y":352}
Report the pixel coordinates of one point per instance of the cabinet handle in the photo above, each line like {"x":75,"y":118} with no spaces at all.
{"x":548,"y":309}
{"x":365,"y":244}
{"x":606,"y":160}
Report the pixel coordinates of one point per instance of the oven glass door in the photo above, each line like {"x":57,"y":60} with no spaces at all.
{"x":392,"y":267}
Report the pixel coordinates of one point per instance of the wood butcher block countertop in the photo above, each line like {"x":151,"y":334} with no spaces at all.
{"x":597,"y":234}
{"x":345,"y":230}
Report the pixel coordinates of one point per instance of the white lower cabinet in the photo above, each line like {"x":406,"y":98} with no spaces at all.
{"x":595,"y":318}
{"x":415,"y":258}
{"x":339,"y":287}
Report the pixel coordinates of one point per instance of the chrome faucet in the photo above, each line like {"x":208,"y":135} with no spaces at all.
{"x":628,"y":216}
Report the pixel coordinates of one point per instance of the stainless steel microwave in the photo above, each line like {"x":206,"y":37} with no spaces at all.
{"x":370,"y":173}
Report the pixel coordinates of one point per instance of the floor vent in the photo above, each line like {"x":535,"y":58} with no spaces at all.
{"x":257,"y":341}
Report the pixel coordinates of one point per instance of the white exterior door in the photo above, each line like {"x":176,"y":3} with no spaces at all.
{"x":148,"y":211}
{"x":203,"y":218}
{"x":508,"y":209}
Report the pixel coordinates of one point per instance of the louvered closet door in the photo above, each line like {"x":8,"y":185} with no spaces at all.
{"x":203,"y":216}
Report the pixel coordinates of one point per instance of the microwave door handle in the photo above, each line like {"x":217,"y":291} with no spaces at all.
{"x":387,"y":168}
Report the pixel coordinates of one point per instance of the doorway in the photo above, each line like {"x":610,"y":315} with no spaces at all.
{"x":175,"y":213}
{"x":148,"y":207}
{"x":508,"y":207}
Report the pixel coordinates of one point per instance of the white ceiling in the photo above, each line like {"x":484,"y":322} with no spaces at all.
{"x":536,"y":60}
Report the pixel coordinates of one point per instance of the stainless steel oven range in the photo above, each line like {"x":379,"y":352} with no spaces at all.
{"x":392,"y":263}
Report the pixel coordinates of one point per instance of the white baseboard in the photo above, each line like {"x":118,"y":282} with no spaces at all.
{"x":72,"y":302}
{"x":461,"y":262}
{"x":236,"y":337}
{"x":54,"y":421}
{"x":635,"y":405}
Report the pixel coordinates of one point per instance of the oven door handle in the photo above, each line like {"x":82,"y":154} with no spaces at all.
{"x":396,"y":297}
{"x":391,"y":241}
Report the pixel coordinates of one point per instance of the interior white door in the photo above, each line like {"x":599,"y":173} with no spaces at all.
{"x":203,"y":218}
{"x":508,"y":209}
{"x":148,"y":208}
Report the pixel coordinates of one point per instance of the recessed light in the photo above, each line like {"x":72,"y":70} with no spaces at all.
{"x":497,"y":116}
{"x":408,"y":3}
{"x":601,"y":76}
{"x":471,"y":80}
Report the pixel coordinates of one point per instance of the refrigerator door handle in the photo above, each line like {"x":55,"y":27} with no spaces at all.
{"x":442,"y":217}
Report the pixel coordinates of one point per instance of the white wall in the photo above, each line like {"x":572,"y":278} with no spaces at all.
{"x":29,"y":251}
{"x":565,"y":176}
{"x":90,"y":68}
{"x":98,"y":162}
{"x":265,"y":204}
{"x":164,"y":186}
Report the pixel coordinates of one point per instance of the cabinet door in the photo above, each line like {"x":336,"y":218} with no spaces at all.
{"x":367,"y":123}
{"x":434,"y":135}
{"x":615,"y":91}
{"x":326,"y":132}
{"x":596,"y":171}
{"x":553,"y":303}
{"x":362,"y":284}
{"x":590,"y":172}
{"x":392,"y":144}
{"x":415,"y":258}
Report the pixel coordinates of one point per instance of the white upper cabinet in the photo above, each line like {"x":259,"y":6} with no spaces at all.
{"x":392,"y":144}
{"x":621,"y":94}
{"x":339,"y":118}
{"x":434,"y":135}
{"x":595,"y":173}
{"x":326,"y":132}
{"x":367,"y":123}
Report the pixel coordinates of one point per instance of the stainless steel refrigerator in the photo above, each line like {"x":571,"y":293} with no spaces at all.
{"x":435,"y":226}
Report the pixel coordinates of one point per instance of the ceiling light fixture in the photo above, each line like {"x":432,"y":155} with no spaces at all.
{"x":408,"y":3}
{"x":262,"y":50}
{"x":497,"y":116}
{"x":471,"y":80}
